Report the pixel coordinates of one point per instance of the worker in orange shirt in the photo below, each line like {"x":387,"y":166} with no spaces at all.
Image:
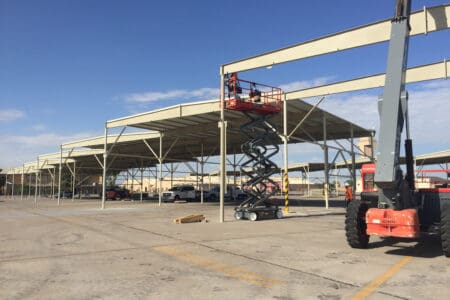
{"x":348,"y":194}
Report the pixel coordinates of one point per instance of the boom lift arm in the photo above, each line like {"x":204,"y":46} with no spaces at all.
{"x":397,"y":213}
{"x":395,"y":191}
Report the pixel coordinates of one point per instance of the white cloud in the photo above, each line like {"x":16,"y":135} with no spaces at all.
{"x":429,"y":104}
{"x":202,"y":93}
{"x":9,"y":115}
{"x":208,"y":93}
{"x":303,"y":84}
{"x":39,"y":127}
{"x":17,"y":149}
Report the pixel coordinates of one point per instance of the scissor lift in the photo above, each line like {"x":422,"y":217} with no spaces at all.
{"x":259,"y":103}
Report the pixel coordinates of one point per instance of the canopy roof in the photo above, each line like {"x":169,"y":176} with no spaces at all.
{"x":195,"y":125}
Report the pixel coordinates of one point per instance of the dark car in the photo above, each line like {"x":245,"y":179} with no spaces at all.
{"x":117,"y":193}
{"x":66,"y":194}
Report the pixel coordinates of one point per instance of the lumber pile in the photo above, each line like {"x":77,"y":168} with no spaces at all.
{"x":189,"y":219}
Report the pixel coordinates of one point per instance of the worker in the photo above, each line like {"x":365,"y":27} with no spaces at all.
{"x":255,"y":94}
{"x":348,"y":194}
{"x":233,"y":86}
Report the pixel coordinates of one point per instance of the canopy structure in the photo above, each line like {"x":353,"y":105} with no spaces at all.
{"x":189,"y":131}
{"x":196,"y":124}
{"x":196,"y":131}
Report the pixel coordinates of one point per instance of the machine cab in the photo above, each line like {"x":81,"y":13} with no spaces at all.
{"x":368,"y":178}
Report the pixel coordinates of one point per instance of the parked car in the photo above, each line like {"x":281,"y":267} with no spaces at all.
{"x":117,"y":193}
{"x":182,"y":192}
{"x":67,"y":194}
{"x":231,"y":194}
{"x":199,"y":193}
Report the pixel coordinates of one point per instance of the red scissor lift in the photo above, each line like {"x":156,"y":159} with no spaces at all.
{"x":259,"y":103}
{"x":252,"y":97}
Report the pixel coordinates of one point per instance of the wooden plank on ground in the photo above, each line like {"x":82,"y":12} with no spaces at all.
{"x":189,"y":219}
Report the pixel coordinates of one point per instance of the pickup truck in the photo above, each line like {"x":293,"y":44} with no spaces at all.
{"x":183,"y":192}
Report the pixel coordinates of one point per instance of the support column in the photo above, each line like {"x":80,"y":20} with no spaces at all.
{"x":13,"y":183}
{"x":160,"y":169}
{"x":59,"y":175}
{"x":39,"y":184}
{"x":74,"y":178}
{"x":285,"y":158}
{"x":171,"y":174}
{"x":105,"y":161}
{"x":352,"y":151}
{"x":196,"y":176}
{"x":142,"y":178}
{"x":29,"y":185}
{"x":308,"y":181}
{"x":36,"y":181}
{"x":223,"y":154}
{"x":52,"y":192}
{"x":202,"y":173}
{"x":372,"y":151}
{"x":156,"y":180}
{"x":325,"y":152}
{"x":23,"y":182}
{"x":234,"y":172}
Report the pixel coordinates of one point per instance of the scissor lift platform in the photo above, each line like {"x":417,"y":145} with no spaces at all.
{"x":258,"y":102}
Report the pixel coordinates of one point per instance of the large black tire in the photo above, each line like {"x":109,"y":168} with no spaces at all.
{"x":445,"y":229}
{"x":355,"y":224}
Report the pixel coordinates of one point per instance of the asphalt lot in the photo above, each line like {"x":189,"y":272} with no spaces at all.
{"x":133,"y":250}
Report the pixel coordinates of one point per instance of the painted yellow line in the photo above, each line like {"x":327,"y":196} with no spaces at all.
{"x":217,"y":266}
{"x":370,"y":288}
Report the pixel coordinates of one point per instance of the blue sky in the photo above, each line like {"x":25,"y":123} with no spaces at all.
{"x":68,"y":66}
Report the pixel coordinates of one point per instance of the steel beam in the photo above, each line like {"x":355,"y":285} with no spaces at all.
{"x":438,"y":70}
{"x":422,"y":22}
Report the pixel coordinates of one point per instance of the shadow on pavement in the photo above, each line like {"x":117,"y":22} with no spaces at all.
{"x":427,"y":246}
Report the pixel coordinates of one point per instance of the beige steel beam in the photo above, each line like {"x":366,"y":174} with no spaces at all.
{"x":181,"y":110}
{"x":99,"y":141}
{"x":439,"y":70}
{"x":422,"y":22}
{"x":53,"y":158}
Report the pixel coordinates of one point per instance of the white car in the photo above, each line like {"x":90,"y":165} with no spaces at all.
{"x":182,"y":192}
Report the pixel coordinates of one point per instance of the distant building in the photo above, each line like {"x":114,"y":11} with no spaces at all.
{"x":365,"y":146}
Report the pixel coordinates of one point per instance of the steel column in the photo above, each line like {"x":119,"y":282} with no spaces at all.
{"x":53,"y":182}
{"x":105,"y":161}
{"x":353,"y":159}
{"x":36,"y":181}
{"x":59,"y":175}
{"x":29,"y":185}
{"x":142,"y":178}
{"x":74,"y":178}
{"x":325,"y":152}
{"x":201,"y":171}
{"x":285,"y":158}
{"x":13,"y":183}
{"x":222,"y":126}
{"x":23,"y":181}
{"x":160,"y":169}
